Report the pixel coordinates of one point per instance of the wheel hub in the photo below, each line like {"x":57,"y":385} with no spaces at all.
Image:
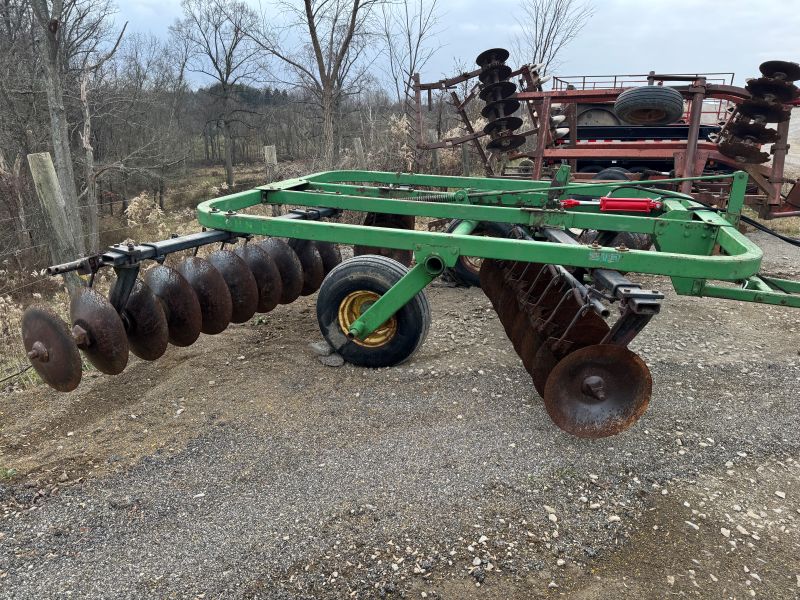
{"x":356,"y":304}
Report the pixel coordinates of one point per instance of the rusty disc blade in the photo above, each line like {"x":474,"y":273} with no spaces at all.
{"x":544,"y":362}
{"x":532,"y":340}
{"x":598,"y":391}
{"x":212,"y":292}
{"x":241,"y":284}
{"x":507,"y":307}
{"x":561,"y":315}
{"x":181,"y":306}
{"x":266,"y":274}
{"x":51,"y":349}
{"x":590,"y":329}
{"x":145,"y":323}
{"x":780,"y":69}
{"x":99,"y":332}
{"x":289,"y":267}
{"x":313,"y":267}
{"x":518,"y":328}
{"x":331,"y":255}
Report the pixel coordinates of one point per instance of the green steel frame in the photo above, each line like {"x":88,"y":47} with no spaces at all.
{"x":693,"y":245}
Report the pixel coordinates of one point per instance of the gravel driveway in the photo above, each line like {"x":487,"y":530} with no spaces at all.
{"x":243,"y":468}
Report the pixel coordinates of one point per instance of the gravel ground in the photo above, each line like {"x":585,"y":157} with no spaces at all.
{"x":243,"y":468}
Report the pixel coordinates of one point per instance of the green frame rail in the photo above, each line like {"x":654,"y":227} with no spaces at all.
{"x":692,"y":244}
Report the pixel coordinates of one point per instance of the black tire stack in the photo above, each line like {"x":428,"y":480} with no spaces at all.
{"x":743,"y":138}
{"x":497,"y":90}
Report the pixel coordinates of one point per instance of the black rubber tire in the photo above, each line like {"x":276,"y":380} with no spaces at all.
{"x":461,"y":272}
{"x":376,"y":274}
{"x":649,"y":105}
{"x":590,"y":169}
{"x":612,"y":174}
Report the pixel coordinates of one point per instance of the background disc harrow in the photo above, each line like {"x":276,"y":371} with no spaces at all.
{"x":172,"y":306}
{"x":497,"y":91}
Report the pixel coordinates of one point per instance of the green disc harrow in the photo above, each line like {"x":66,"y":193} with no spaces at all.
{"x":551,"y":256}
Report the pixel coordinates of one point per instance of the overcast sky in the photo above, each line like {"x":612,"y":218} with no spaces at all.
{"x":623,"y":36}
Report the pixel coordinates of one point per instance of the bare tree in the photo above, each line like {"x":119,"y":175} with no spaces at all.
{"x":71,"y":38}
{"x":547,"y":26}
{"x":407,"y":26}
{"x":326,"y":66}
{"x":217,"y":33}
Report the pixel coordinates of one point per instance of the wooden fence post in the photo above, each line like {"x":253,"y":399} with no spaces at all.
{"x":63,"y":244}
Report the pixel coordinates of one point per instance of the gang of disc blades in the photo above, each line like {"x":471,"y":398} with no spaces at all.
{"x":330,"y":254}
{"x":498,"y":91}
{"x":763,"y":111}
{"x":313,"y":267}
{"x":758,"y":132}
{"x":181,"y":306}
{"x":240,"y":281}
{"x":266,"y":274}
{"x":493,"y":55}
{"x":743,"y":151}
{"x":506,"y":143}
{"x":598,"y":391}
{"x":145,"y":323}
{"x":500,"y":108}
{"x":51,"y":349}
{"x":494,"y":72}
{"x":216,"y":305}
{"x":289,"y":266}
{"x":504,"y":124}
{"x":98,"y":331}
{"x":775,"y":90}
{"x":780,"y":69}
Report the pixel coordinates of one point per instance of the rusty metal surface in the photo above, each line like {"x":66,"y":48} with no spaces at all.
{"x":240,"y":281}
{"x":51,"y":350}
{"x":145,"y":323}
{"x":289,"y":267}
{"x":598,"y":391}
{"x":180,"y":303}
{"x":266,"y":274}
{"x":212,"y":292}
{"x":98,"y":331}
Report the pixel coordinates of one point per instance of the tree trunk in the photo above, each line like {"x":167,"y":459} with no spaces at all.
{"x":50,"y":194}
{"x":226,"y":134}
{"x":92,"y":235}
{"x":328,"y":137}
{"x":49,"y":51}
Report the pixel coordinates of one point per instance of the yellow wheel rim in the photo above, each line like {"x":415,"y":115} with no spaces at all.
{"x":356,"y":304}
